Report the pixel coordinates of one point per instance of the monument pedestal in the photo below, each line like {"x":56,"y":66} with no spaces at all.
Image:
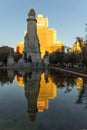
{"x":10,"y":61}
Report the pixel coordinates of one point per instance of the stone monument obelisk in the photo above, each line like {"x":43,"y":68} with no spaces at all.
{"x":31,"y":41}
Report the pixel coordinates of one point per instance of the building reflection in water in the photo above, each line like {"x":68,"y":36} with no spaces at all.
{"x":39,"y":88}
{"x":79,"y":82}
{"x":20,"y":81}
{"x":47,"y":91}
{"x":66,"y":80}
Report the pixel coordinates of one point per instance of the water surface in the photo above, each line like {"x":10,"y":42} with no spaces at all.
{"x":42,"y":100}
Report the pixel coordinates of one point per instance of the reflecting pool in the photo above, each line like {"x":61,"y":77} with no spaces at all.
{"x":42,"y":100}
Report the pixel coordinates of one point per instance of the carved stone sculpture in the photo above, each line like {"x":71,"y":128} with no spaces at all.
{"x":31,"y":41}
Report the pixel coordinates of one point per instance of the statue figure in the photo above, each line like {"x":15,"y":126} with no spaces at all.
{"x":31,"y":13}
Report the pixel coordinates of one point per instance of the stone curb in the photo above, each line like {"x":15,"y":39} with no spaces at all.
{"x":68,"y":71}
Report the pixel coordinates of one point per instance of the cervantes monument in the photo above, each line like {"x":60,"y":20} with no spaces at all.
{"x":32,"y":55}
{"x":31,"y":41}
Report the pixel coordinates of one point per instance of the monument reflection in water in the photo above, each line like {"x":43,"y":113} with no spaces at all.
{"x":39,"y":88}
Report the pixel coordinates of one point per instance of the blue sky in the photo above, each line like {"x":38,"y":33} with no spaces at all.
{"x":67,"y":17}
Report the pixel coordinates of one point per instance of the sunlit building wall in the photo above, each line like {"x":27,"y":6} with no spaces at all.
{"x":76,"y":47}
{"x":20,"y":47}
{"x":47,"y":37}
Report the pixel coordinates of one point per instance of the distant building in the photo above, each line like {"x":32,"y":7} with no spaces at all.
{"x":47,"y":37}
{"x":20,"y":47}
{"x":5,"y":51}
{"x":76,"y":47}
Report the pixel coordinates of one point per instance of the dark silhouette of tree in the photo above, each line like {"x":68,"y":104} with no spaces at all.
{"x":82,"y":97}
